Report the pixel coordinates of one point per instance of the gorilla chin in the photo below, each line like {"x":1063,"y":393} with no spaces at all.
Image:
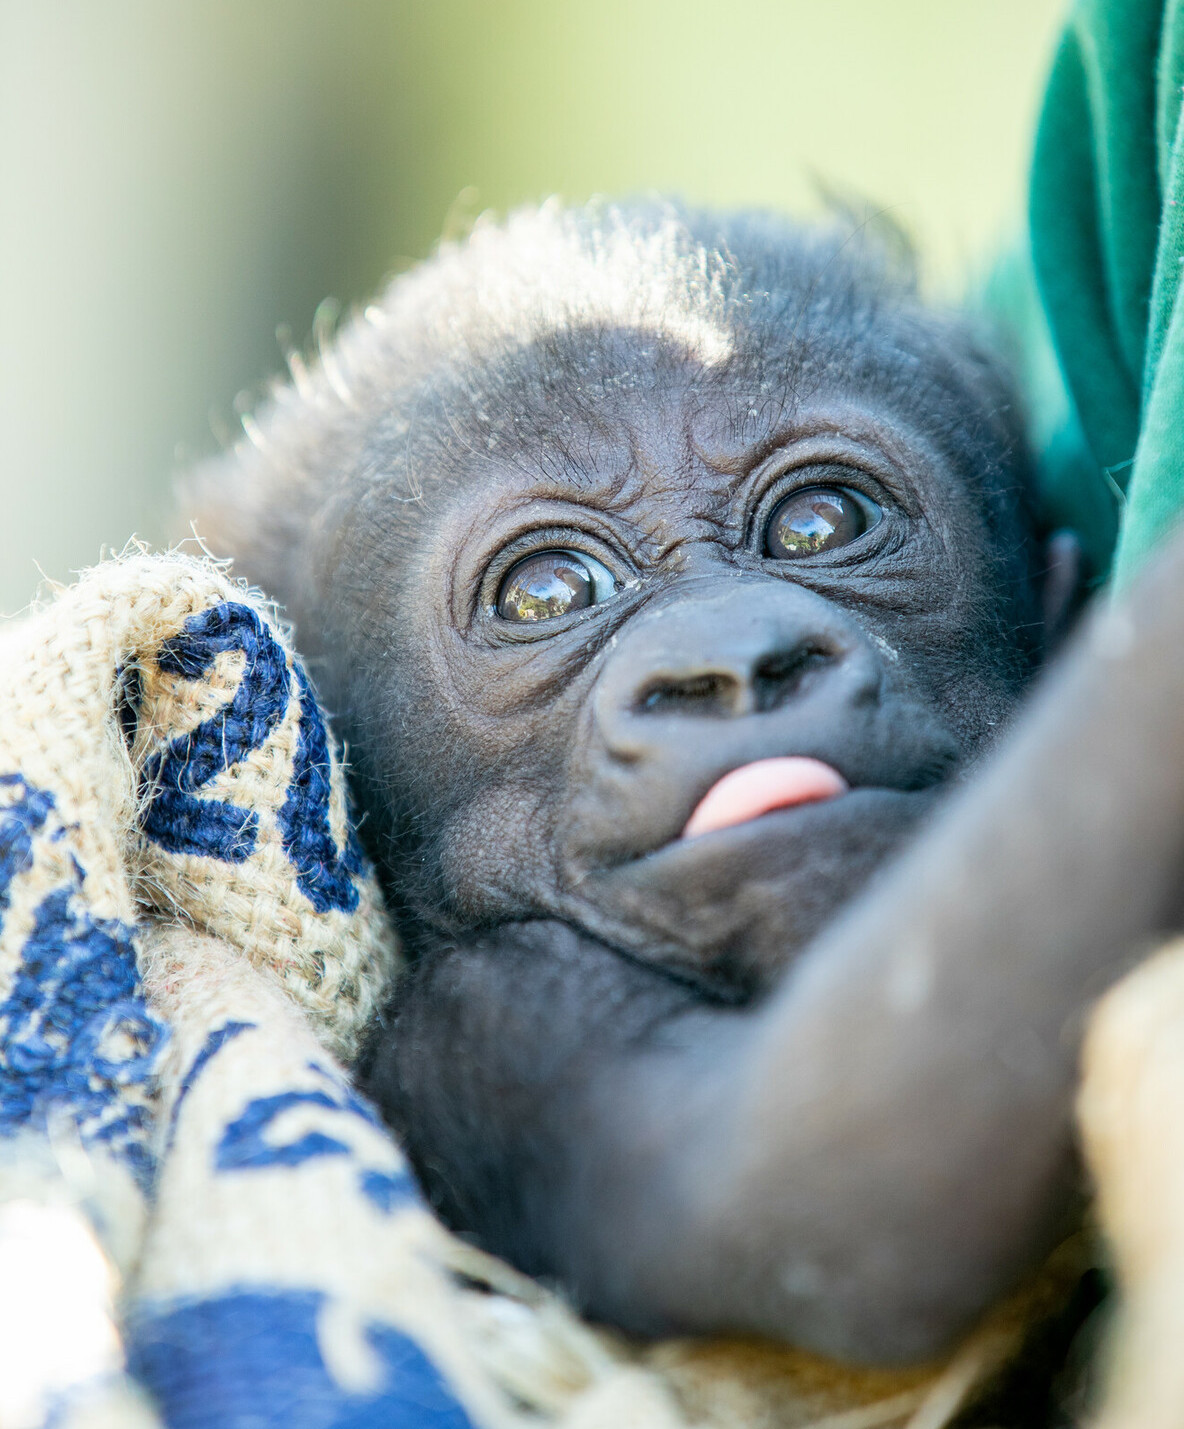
{"x":735,"y":904}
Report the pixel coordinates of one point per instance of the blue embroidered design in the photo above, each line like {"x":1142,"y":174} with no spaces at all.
{"x":74,"y":1027}
{"x":385,"y":1191}
{"x":19,"y":821}
{"x":181,"y":822}
{"x":176,"y":819}
{"x":243,"y":1146}
{"x":212,"y":1046}
{"x":325,"y":877}
{"x":251,"y":1360}
{"x":346,"y":1098}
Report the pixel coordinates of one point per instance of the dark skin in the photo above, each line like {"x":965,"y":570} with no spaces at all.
{"x":809,"y":1076}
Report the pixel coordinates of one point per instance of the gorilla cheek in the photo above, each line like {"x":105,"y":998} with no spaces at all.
{"x":614,"y":813}
{"x":498,"y":856}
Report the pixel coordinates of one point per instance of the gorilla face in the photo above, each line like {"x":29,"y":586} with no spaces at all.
{"x":576,"y":651}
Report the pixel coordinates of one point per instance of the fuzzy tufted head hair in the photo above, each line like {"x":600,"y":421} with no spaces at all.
{"x":488,"y":346}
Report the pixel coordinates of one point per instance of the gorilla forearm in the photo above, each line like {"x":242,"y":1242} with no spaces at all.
{"x":600,"y":1132}
{"x":864,"y":1161}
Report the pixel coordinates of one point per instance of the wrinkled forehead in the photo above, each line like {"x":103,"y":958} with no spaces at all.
{"x":569,"y":341}
{"x":583,"y":403}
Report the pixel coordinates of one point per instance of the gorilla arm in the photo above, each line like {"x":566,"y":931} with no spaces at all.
{"x":862,"y":1162}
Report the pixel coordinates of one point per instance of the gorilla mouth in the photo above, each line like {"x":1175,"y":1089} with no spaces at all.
{"x":761,"y":787}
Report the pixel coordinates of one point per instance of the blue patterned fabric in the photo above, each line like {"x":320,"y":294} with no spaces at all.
{"x":250,"y":1359}
{"x":77,"y":1036}
{"x":230,"y":848}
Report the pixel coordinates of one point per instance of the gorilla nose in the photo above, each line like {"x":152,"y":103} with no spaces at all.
{"x":731,"y":684}
{"x":756,"y":647}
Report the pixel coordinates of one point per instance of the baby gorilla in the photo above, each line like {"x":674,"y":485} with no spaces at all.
{"x":664,"y":572}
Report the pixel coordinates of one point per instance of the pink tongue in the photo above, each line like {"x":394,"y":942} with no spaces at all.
{"x":756,"y":789}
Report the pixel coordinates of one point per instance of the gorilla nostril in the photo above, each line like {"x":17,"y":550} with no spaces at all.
{"x":779,"y":677}
{"x":767,"y":685}
{"x":711,"y":694}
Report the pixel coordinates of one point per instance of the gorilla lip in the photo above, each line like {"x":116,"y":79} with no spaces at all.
{"x":759,"y":788}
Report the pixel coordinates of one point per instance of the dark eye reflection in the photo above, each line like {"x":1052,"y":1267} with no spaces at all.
{"x":553,"y":583}
{"x":817,"y":518}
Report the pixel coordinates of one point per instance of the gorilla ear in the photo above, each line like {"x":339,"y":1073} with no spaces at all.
{"x":1063,"y":585}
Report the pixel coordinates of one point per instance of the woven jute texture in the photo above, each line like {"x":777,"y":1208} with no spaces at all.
{"x":201,"y":1222}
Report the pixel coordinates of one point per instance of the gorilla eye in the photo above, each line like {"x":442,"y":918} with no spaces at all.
{"x":817,"y":518}
{"x":552,"y":583}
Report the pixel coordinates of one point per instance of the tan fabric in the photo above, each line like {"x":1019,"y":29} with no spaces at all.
{"x":65,"y":668}
{"x":1131,"y":1112}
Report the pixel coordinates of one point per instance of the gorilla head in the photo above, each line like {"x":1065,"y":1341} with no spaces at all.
{"x":600,"y":506}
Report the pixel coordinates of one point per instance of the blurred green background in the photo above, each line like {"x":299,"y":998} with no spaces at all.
{"x":179,"y":177}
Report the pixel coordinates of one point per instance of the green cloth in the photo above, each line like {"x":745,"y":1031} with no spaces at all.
{"x":1107,"y":235}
